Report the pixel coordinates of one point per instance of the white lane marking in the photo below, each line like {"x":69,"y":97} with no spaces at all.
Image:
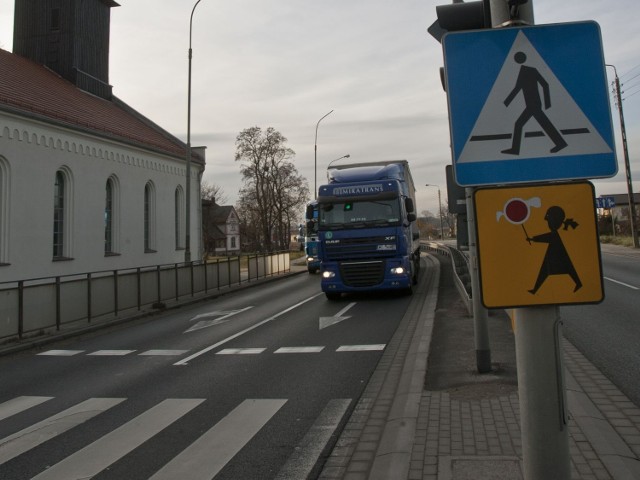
{"x":361,"y":348}
{"x":241,"y":351}
{"x":167,"y":353}
{"x":308,"y":451}
{"x":61,"y":353}
{"x":19,"y":404}
{"x":111,"y":353}
{"x":299,"y":350}
{"x":94,"y":458}
{"x":204,"y":458}
{"x":210,"y":323}
{"x":328,"y":321}
{"x":185,"y":361}
{"x":621,"y":283}
{"x":31,"y":437}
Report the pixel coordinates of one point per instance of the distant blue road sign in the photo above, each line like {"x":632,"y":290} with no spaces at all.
{"x":605,"y":202}
{"x":529,"y":104}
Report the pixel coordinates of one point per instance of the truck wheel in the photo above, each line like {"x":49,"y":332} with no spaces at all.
{"x":332,"y":296}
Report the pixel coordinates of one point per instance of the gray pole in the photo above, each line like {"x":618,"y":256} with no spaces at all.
{"x":625,"y":151}
{"x":480,"y":315}
{"x":187,"y":246}
{"x":538,"y":334}
{"x":315,"y":160}
{"x":440,"y":206}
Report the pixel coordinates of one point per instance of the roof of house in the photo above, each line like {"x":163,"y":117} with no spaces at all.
{"x":217,"y":214}
{"x":30,"y":89}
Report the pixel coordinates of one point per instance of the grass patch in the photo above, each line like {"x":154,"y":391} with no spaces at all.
{"x":617,"y":240}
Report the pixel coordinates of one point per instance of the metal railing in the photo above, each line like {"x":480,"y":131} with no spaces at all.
{"x":36,"y":306}
{"x":461,"y":270}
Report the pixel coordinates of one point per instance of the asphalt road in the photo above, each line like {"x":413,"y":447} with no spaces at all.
{"x":608,"y":334}
{"x":256,"y":384}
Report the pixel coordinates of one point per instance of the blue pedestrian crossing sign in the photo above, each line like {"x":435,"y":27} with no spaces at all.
{"x":528,"y":104}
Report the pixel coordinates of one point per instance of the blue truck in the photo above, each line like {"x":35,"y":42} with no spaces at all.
{"x":369,"y":239}
{"x":311,"y":242}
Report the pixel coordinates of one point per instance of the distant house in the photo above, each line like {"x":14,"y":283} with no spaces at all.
{"x":86,"y":183}
{"x":220,"y":229}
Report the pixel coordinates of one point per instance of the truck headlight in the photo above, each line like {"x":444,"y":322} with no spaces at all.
{"x":397,"y":270}
{"x":328,"y":274}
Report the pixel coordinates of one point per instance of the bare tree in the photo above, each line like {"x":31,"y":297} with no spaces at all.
{"x":212,"y":191}
{"x":272,"y":191}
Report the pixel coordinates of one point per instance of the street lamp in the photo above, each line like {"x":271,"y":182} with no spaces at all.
{"x":187,"y":247}
{"x":440,"y":207}
{"x":315,"y":159}
{"x":632,"y":204}
{"x":344,"y":156}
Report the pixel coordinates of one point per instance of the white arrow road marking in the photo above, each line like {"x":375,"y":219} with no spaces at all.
{"x":216,"y":321}
{"x":328,"y":321}
{"x":185,"y":361}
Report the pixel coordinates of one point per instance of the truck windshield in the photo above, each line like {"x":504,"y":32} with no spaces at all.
{"x":360,"y":214}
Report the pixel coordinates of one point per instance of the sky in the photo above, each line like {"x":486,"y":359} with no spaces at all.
{"x":287,"y":63}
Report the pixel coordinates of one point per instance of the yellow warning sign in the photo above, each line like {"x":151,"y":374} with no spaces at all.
{"x":538,"y":245}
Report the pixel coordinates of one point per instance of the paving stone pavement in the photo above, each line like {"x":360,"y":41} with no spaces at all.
{"x":469,"y":429}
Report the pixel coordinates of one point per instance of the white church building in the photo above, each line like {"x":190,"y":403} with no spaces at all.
{"x":87,"y":183}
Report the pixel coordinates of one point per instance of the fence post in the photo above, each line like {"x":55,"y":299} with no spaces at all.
{"x":89,"y":297}
{"x":115,"y":292}
{"x":191,"y":275}
{"x":218,"y":272}
{"x":58,"y":321}
{"x":176,"y":277}
{"x":20,"y":308}
{"x":206,"y":280}
{"x":138,"y":270}
{"x":158,"y":278}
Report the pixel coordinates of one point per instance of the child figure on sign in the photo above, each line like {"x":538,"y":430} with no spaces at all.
{"x":556,"y":260}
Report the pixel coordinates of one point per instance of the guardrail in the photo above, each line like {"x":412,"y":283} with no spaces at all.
{"x":461,"y":270}
{"x":36,"y":306}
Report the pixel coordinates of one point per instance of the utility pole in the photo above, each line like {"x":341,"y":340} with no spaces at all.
{"x":538,"y":334}
{"x":625,"y":151}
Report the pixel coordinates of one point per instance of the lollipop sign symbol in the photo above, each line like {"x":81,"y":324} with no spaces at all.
{"x":517,"y":211}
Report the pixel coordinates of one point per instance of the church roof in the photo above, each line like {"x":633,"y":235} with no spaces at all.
{"x":32,"y":90}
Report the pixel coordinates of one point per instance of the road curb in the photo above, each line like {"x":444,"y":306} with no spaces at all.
{"x":393,"y":456}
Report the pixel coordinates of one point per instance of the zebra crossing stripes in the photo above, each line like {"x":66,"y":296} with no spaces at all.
{"x":20,"y":442}
{"x":20,"y":404}
{"x":94,"y":458}
{"x":226,"y":439}
{"x":225,"y":351}
{"x":204,"y":458}
{"x":310,"y":448}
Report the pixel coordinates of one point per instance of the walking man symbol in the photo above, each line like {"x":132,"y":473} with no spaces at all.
{"x":528,"y":80}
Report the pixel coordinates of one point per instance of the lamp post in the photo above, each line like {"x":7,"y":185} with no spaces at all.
{"x":625,"y":151}
{"x":335,"y":160}
{"x":187,"y":246}
{"x":440,"y":208}
{"x":315,"y":159}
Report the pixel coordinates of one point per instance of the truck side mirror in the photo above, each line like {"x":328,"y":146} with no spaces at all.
{"x":309,"y":212}
{"x":411,"y":217}
{"x":310,"y":225}
{"x":408,"y":205}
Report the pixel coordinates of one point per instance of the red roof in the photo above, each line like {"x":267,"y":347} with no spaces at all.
{"x":29,"y":88}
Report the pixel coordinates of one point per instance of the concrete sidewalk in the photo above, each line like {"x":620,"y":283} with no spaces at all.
{"x":447,"y":422}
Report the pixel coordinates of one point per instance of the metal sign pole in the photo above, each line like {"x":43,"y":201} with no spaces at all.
{"x":538,"y":333}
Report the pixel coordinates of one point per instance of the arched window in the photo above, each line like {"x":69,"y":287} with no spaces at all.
{"x":59,"y":215}
{"x":111,"y":216}
{"x":179,"y":218}
{"x":4,"y":212}
{"x":149,"y":218}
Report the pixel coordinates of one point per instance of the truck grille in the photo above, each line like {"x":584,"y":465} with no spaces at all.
{"x":362,"y":274}
{"x":353,"y":248}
